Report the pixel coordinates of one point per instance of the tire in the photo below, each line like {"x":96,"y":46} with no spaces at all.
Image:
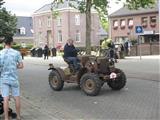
{"x":119,"y":82}
{"x":90,"y":84}
{"x":55,"y":81}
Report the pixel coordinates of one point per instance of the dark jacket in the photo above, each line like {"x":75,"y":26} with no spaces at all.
{"x":46,"y":49}
{"x":70,"y":51}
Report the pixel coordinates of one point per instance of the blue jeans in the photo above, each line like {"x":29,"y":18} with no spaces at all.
{"x":74,"y":60}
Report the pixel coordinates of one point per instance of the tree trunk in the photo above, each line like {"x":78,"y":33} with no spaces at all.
{"x":88,"y":26}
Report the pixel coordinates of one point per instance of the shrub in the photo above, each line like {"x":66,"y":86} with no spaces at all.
{"x":29,"y":46}
{"x":16,"y":46}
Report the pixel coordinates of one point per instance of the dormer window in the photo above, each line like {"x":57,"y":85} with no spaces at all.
{"x":22,"y":31}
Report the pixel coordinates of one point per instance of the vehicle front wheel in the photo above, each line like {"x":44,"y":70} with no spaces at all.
{"x":55,"y":81}
{"x":119,"y":82}
{"x":90,"y":84}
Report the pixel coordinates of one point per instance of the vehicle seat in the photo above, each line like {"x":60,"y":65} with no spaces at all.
{"x":70,"y":65}
{"x":67,"y":61}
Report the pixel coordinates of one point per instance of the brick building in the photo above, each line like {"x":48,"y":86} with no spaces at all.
{"x":123,"y":22}
{"x":69,"y":23}
{"x":122,"y":27}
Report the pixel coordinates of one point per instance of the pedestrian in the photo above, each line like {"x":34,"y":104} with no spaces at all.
{"x":121,"y":51}
{"x":10,"y":61}
{"x":117,"y":51}
{"x":129,"y":48}
{"x":126,"y":47}
{"x":53,"y":51}
{"x":46,"y":50}
{"x":23,"y":52}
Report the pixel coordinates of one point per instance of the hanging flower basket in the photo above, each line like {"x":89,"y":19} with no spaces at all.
{"x":153,"y":24}
{"x":144,"y":25}
{"x":122,"y":27}
{"x":115,"y":27}
{"x":130,"y":26}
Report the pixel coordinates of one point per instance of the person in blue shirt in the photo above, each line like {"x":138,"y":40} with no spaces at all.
{"x":70,"y":53}
{"x":10,"y":61}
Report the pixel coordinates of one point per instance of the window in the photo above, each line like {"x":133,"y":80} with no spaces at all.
{"x":77,"y":19}
{"x":40,"y":23}
{"x":22,"y":31}
{"x":144,"y":21}
{"x":130,"y":22}
{"x":115,"y":24}
{"x":153,"y":21}
{"x":123,"y":23}
{"x":60,"y":36}
{"x":59,"y":21}
{"x":49,"y":22}
{"x":78,"y":36}
{"x":39,"y":37}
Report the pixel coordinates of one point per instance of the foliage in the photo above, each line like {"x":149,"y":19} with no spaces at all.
{"x":1,"y":46}
{"x":104,"y":23}
{"x":1,"y":3}
{"x":16,"y":46}
{"x":135,"y":4}
{"x":7,"y":22}
{"x":29,"y":46}
{"x":54,"y":10}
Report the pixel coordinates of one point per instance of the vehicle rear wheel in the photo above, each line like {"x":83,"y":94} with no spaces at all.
{"x":119,"y":82}
{"x":90,"y":84}
{"x":55,"y":81}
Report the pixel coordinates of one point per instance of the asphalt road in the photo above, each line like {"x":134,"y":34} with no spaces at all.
{"x":139,"y":100}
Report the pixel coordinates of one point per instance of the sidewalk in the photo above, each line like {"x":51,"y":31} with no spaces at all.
{"x":59,"y":60}
{"x":31,"y":112}
{"x":144,"y":57}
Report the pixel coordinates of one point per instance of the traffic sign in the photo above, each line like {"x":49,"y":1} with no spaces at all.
{"x":139,"y":29}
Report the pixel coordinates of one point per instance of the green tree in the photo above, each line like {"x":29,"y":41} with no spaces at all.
{"x":1,"y":3}
{"x":7,"y":22}
{"x":104,"y":22}
{"x":135,"y":4}
{"x":84,"y":6}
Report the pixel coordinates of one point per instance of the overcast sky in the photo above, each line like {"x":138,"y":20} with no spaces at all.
{"x":27,"y":7}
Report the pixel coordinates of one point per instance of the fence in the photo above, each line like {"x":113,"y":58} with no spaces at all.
{"x":146,"y":49}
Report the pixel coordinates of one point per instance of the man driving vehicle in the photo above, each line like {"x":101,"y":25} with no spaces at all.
{"x":70,"y":53}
